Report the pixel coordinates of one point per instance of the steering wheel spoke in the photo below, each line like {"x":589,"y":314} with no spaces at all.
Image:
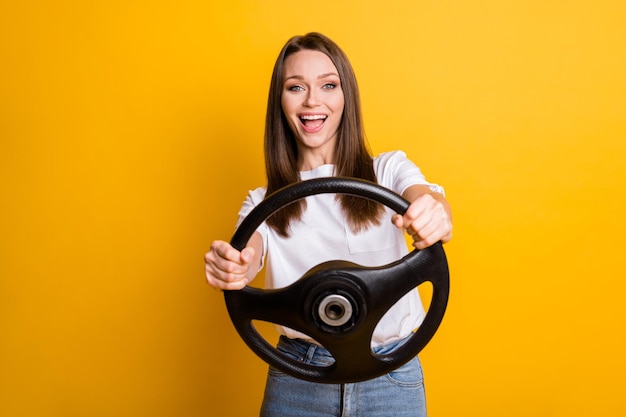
{"x":256,"y":304}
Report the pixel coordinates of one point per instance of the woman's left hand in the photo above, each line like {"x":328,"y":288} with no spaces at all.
{"x":428,"y":219}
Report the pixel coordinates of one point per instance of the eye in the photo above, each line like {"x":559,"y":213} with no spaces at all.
{"x":295,"y":88}
{"x":329,"y":86}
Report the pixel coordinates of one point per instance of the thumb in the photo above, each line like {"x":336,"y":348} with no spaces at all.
{"x":246,"y":254}
{"x":396,"y":219}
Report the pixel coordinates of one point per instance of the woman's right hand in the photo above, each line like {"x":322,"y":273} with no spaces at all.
{"x":229,"y":269}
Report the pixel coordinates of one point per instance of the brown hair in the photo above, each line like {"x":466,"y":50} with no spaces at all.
{"x":352,"y":155}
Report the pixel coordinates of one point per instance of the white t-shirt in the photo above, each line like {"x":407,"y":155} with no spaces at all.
{"x":323,"y":235}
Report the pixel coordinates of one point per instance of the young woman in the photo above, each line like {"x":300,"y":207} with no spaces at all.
{"x":314,"y":129}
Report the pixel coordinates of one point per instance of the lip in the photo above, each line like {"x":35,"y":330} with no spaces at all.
{"x":312,"y":116}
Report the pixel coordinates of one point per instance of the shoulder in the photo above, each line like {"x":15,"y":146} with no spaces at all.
{"x":253,"y":198}
{"x":257,"y":195}
{"x":389,"y":159}
{"x":396,"y":171}
{"x":390,"y":165}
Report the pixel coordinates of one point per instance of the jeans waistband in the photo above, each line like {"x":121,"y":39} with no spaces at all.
{"x":307,"y":349}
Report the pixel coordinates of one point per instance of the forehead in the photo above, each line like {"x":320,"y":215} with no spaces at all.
{"x":308,"y":63}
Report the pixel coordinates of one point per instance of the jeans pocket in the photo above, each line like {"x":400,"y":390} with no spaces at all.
{"x":302,"y":352}
{"x":273,"y":372}
{"x":409,"y":375}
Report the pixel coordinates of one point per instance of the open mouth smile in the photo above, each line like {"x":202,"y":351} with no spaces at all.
{"x":312,"y":123}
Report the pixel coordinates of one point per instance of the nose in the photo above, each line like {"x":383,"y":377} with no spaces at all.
{"x":311,"y":99}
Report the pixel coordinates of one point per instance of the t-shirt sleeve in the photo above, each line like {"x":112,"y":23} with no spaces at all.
{"x":397,"y":172}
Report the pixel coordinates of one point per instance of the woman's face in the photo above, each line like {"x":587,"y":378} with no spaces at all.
{"x":313,"y":101}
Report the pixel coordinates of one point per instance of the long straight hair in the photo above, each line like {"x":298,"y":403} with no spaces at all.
{"x":352,"y":156}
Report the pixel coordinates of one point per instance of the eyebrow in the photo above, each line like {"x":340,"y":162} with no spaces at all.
{"x":319,"y":77}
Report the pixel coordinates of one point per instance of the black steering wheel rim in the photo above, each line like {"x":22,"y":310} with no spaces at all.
{"x":293,"y":305}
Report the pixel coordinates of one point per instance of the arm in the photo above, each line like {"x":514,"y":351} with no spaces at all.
{"x":428,"y":218}
{"x":229,"y":269}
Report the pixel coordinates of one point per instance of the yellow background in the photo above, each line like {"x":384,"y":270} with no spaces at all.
{"x":131,"y":130}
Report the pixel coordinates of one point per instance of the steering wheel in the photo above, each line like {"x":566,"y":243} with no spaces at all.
{"x":339,"y":303}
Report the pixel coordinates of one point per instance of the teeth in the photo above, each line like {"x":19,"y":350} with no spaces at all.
{"x":313,"y":117}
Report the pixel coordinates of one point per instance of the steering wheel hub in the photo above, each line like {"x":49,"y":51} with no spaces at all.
{"x":334,"y":301}
{"x":335,"y":310}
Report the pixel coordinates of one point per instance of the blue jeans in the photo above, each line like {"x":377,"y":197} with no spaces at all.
{"x":399,"y":393}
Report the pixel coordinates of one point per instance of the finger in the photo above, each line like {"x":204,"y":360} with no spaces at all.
{"x":223,"y":278}
{"x":225,"y":251}
{"x":433,"y":232}
{"x":397,"y":221}
{"x":230,"y":260}
{"x":426,"y":211}
{"x":247,"y":254}
{"x":416,"y":210}
{"x":425,"y":237}
{"x":404,"y":221}
{"x":226,"y":267}
{"x":225,"y":285}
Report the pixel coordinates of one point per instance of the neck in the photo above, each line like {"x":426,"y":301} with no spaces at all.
{"x":310,"y":159}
